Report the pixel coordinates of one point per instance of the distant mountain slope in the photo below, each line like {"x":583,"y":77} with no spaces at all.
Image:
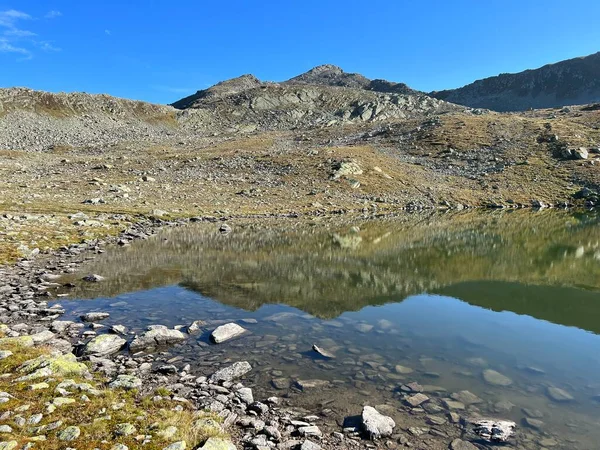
{"x":37,"y":120}
{"x":571,"y":82}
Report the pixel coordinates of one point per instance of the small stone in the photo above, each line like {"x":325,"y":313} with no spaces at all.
{"x":126,"y":382}
{"x":69,"y":434}
{"x":417,"y":399}
{"x":311,"y":430}
{"x":124,"y":429}
{"x":93,"y":278}
{"x":5,"y":429}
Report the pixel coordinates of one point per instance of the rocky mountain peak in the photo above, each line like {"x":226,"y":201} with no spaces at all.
{"x":220,"y":90}
{"x":330,"y":75}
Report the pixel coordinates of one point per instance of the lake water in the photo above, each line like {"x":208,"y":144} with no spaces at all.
{"x":443,"y":297}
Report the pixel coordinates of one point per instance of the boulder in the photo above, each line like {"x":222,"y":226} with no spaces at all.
{"x":376,"y":425}
{"x":227,"y":332}
{"x":104,"y":345}
{"x":157,"y":336}
{"x":232,"y":372}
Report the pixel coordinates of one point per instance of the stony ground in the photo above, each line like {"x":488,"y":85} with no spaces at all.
{"x":79,"y":171}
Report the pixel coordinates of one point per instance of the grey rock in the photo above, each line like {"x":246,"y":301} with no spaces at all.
{"x":69,"y":434}
{"x":104,"y":345}
{"x":245,"y":395}
{"x":232,"y":372}
{"x":226,"y":332}
{"x":157,"y":336}
{"x":126,"y":382}
{"x":376,"y":425}
{"x":94,"y":316}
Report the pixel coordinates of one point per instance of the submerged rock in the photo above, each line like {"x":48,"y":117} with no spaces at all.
{"x":226,"y":332}
{"x":376,"y":425}
{"x":496,"y":378}
{"x":305,"y":385}
{"x":558,"y":395}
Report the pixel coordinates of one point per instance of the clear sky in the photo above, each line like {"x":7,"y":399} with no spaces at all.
{"x":160,"y":51}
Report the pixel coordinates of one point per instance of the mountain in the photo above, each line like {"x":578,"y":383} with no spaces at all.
{"x":325,"y":95}
{"x":572,"y":82}
{"x":326,"y":75}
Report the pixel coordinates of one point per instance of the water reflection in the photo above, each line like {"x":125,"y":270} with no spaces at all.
{"x":455,"y":303}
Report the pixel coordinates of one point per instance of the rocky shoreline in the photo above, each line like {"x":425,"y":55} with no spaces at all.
{"x":269,"y":423}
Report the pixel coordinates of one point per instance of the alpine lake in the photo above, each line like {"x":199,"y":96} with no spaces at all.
{"x":492,"y":314}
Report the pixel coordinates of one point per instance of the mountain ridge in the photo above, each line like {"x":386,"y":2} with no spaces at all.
{"x":573,"y":81}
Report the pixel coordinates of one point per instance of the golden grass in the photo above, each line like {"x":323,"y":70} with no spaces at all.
{"x":99,"y":416}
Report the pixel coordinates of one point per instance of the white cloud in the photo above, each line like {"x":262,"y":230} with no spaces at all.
{"x":47,"y":46}
{"x":7,"y":47}
{"x":53,"y":14}
{"x":19,"y":33}
{"x":14,"y":39}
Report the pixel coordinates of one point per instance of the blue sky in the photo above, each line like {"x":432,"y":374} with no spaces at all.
{"x":160,"y":51}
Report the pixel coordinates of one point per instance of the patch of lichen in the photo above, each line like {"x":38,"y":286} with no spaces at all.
{"x":98,"y":413}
